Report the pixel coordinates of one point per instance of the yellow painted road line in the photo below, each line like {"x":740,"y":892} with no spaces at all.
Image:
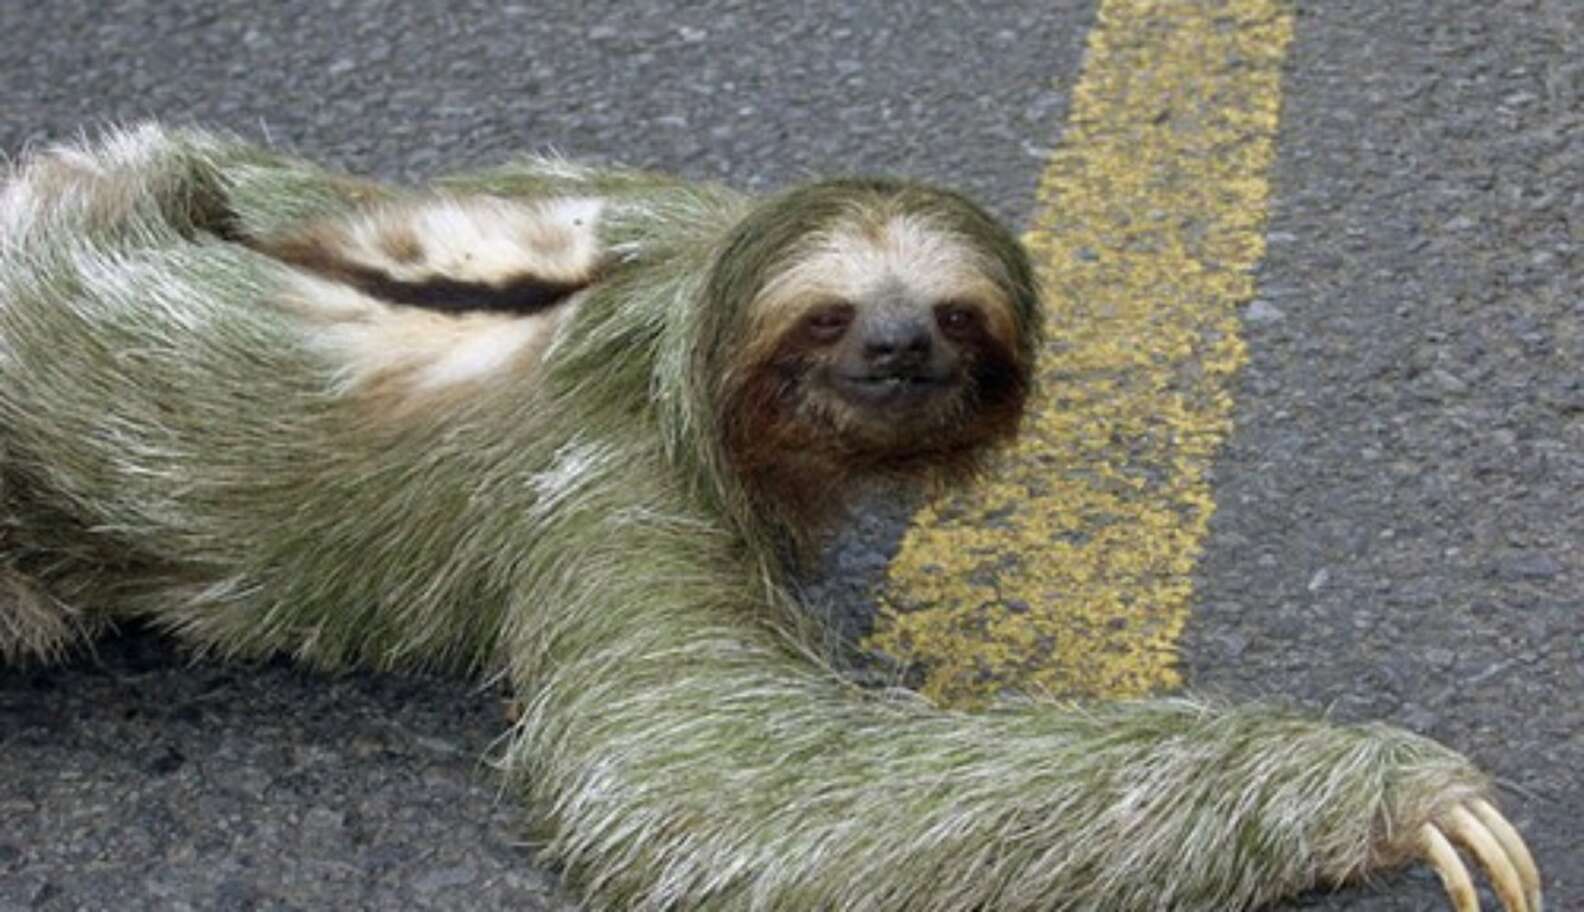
{"x":1070,"y":570}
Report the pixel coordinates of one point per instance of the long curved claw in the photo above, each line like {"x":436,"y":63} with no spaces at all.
{"x":1449,"y":867}
{"x":1466,"y":830}
{"x":1490,"y":839}
{"x":1517,"y":851}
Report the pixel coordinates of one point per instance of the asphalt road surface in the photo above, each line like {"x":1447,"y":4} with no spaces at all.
{"x":1400,"y":525}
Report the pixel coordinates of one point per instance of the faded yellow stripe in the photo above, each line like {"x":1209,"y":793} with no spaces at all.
{"x":1070,"y":570}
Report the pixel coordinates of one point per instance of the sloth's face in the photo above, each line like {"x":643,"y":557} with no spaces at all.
{"x":897,"y":372}
{"x":893,"y":355}
{"x":893,"y":342}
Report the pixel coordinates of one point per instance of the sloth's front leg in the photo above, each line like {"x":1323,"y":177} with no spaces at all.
{"x":678,"y":755}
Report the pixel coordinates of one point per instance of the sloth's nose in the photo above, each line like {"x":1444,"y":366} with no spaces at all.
{"x":896,"y":343}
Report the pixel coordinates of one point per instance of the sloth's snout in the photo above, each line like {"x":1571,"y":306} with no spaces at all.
{"x":896,"y":345}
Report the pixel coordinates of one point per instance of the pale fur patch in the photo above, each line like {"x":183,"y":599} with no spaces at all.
{"x":61,"y":185}
{"x":858,"y":261}
{"x":407,"y":352}
{"x":481,"y":239}
{"x":20,"y":203}
{"x":577,"y":465}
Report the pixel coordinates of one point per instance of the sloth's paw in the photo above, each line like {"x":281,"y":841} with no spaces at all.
{"x":1487,"y":836}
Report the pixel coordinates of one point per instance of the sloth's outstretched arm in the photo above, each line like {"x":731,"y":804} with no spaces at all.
{"x":680,"y":756}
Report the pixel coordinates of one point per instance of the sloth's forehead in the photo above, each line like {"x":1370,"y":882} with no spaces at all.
{"x":903,"y":253}
{"x":903,"y":258}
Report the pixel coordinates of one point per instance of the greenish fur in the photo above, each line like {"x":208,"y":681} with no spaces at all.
{"x":170,"y":449}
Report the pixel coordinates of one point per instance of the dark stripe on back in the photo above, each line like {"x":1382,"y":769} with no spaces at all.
{"x":521,"y":295}
{"x":525,"y":294}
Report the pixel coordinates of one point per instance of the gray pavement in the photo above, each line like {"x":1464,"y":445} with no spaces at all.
{"x":1401,"y":532}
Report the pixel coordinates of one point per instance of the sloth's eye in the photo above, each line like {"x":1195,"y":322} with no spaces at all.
{"x":955,"y":319}
{"x":829,"y":322}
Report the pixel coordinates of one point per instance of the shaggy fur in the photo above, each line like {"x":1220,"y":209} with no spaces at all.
{"x":213,"y":418}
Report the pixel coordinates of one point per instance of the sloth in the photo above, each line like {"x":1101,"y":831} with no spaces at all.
{"x":577,"y":429}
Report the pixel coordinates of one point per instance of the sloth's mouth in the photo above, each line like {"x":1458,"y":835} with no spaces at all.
{"x":891,"y":389}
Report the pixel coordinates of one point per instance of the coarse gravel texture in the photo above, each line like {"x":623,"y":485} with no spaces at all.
{"x":757,"y":94}
{"x":1400,"y":532}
